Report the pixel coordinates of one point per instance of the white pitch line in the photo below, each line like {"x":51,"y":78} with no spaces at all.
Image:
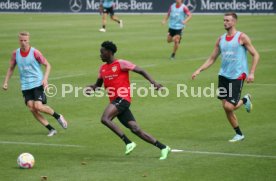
{"x":262,"y":84}
{"x":146,"y":81}
{"x":224,"y":154}
{"x":179,"y":82}
{"x":58,"y":77}
{"x":148,"y":65}
{"x":195,"y":58}
{"x":39,"y":144}
{"x":67,"y":76}
{"x":176,"y":150}
{"x":267,"y":50}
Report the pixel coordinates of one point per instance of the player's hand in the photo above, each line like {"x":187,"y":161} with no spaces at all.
{"x":157,"y":86}
{"x":250,"y":78}
{"x":184,"y":22}
{"x":195,"y":74}
{"x":89,"y":89}
{"x":45,"y":83}
{"x":5,"y":86}
{"x":163,"y":22}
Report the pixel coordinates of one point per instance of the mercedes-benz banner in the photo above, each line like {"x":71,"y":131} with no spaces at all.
{"x":138,"y":6}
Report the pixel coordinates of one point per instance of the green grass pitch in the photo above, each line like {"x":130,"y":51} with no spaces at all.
{"x":71,"y":44}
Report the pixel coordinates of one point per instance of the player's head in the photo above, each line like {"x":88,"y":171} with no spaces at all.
{"x":179,"y":1}
{"x":230,"y":20}
{"x":108,"y":49}
{"x":24,"y":39}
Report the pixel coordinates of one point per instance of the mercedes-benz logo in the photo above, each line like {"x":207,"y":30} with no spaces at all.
{"x":191,"y":4}
{"x":75,"y":5}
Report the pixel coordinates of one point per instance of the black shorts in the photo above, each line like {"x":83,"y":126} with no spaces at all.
{"x":230,"y":89}
{"x":109,"y":11}
{"x":35,"y":94}
{"x":173,"y":32}
{"x":125,"y":114}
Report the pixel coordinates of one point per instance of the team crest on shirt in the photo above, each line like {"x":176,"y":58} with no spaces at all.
{"x":114,"y":68}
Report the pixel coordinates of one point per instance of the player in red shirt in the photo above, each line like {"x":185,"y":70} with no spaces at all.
{"x":114,"y":74}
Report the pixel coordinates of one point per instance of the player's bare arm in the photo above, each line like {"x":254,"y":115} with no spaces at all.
{"x":245,"y":40}
{"x":187,"y":19}
{"x":94,"y":87}
{"x":147,"y":76}
{"x":8,"y":76}
{"x":165,"y":19}
{"x":210,"y":61}
{"x":47,"y":73}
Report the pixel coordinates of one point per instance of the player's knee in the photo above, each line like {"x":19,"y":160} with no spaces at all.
{"x":31,"y":108}
{"x":104,"y":120}
{"x":38,"y":107}
{"x":228,"y":107}
{"x":176,"y":41}
{"x":169,"y":39}
{"x":135,"y":129}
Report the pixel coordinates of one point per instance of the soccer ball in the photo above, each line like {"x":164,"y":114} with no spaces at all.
{"x":25,"y":160}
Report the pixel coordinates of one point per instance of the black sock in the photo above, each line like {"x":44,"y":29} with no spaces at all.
{"x":125,"y":139}
{"x":103,"y":26}
{"x":56,"y":115}
{"x":49,"y":127}
{"x":238,"y":131}
{"x":244,"y":100}
{"x":159,"y":145}
{"x":173,"y":55}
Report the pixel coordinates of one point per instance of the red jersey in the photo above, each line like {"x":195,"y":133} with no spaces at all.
{"x":116,"y":79}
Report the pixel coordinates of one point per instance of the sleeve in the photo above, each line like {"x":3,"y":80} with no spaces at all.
{"x":186,"y":11}
{"x":126,"y":65}
{"x":13,"y":58}
{"x":39,"y":57}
